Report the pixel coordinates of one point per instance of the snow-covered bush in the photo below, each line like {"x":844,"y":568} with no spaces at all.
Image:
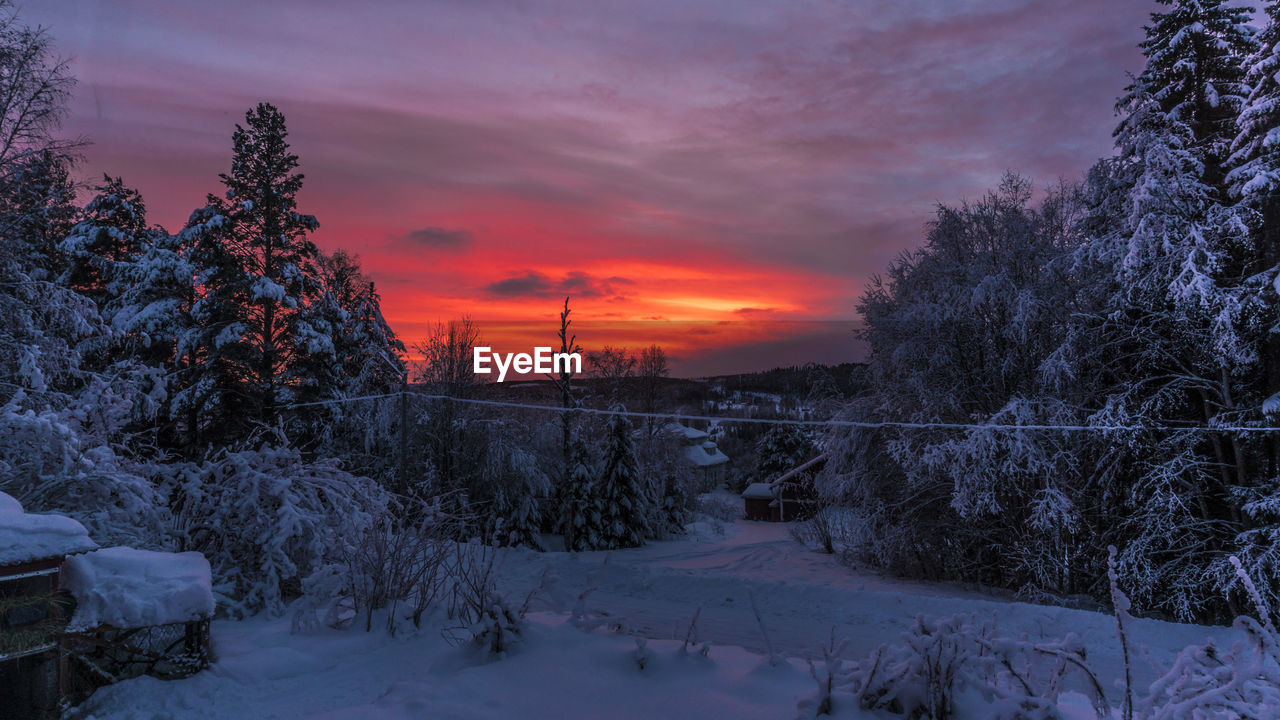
{"x":957,"y":667}
{"x":497,"y":629}
{"x":486,"y":620}
{"x":719,"y":506}
{"x":267,"y":519}
{"x":49,"y":465}
{"x":402,"y":557}
{"x":1205,"y":681}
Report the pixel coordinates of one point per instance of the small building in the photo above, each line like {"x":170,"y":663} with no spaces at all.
{"x":788,"y":497}
{"x":758,"y":500}
{"x":702,"y":451}
{"x":74,"y":618}
{"x":33,"y":606}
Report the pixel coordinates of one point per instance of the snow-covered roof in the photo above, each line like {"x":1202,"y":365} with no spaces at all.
{"x":686,"y":432}
{"x":28,"y":537}
{"x":706,"y":454}
{"x":127,"y":588}
{"x":758,"y":491}
{"x":784,"y":477}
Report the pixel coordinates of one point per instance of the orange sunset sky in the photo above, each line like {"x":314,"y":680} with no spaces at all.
{"x":720,"y":178}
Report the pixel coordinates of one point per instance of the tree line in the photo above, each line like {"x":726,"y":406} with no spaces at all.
{"x":1143,"y":296}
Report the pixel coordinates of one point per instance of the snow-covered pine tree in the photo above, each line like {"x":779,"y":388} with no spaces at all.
{"x":1175,"y":329}
{"x":624,"y":508}
{"x":509,"y":487}
{"x":1255,"y":151}
{"x":1195,"y":71}
{"x":366,"y":347}
{"x":44,"y":326}
{"x":111,"y":234}
{"x":254,"y":264}
{"x":38,"y":209}
{"x":780,"y":449}
{"x":1254,"y":179}
{"x":580,"y":512}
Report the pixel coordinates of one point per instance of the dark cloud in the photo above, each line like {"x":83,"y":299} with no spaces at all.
{"x":438,"y":237}
{"x":578,"y":284}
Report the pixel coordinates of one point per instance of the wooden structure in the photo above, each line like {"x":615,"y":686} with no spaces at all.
{"x":138,"y":612}
{"x":74,"y":618}
{"x":788,"y":497}
{"x":33,"y":608}
{"x":106,"y":654}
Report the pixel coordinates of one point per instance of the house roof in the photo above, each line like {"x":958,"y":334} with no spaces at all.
{"x":758,"y":491}
{"x":28,"y":537}
{"x":784,"y":477}
{"x":686,"y":432}
{"x":706,"y":454}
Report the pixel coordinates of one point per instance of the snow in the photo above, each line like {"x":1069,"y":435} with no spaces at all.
{"x":27,"y":537}
{"x":128,"y":588}
{"x":1271,"y":406}
{"x":758,"y":491}
{"x":560,"y":671}
{"x":686,"y":432}
{"x":706,"y":454}
{"x":8,"y":504}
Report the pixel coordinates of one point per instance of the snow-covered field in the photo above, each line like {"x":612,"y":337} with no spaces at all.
{"x":264,"y":671}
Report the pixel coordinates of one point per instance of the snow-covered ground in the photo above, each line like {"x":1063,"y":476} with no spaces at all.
{"x":263,"y":671}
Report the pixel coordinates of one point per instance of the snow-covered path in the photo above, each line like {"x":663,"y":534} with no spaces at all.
{"x":804,"y":597}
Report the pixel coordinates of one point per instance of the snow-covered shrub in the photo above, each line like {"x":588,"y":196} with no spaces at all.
{"x":267,"y":519}
{"x":488,"y":622}
{"x":641,"y":654}
{"x":49,"y":465}
{"x":719,"y":506}
{"x":829,"y":676}
{"x":1205,"y":681}
{"x":957,"y":667}
{"x":403,"y":555}
{"x":828,"y":528}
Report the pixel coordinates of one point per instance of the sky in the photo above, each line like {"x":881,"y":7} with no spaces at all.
{"x":721,"y":178}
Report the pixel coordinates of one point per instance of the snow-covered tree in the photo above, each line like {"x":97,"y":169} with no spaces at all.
{"x":1195,"y":72}
{"x":781,"y":449}
{"x":366,"y":348}
{"x":110,"y":235}
{"x":962,"y":331}
{"x":624,"y":509}
{"x":255,"y":270}
{"x":510,"y":484}
{"x":579,"y":504}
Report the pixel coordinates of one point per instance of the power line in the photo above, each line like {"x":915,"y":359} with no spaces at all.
{"x":858,"y":424}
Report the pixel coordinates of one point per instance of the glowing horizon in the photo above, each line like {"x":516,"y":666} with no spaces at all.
{"x":689,"y":164}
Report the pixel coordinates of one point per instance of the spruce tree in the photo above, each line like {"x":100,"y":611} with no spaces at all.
{"x":254,"y":264}
{"x":1255,"y":156}
{"x":580,"y":510}
{"x":1170,"y":331}
{"x":1254,"y":180}
{"x":780,"y":449}
{"x":111,"y":235}
{"x":623,"y":507}
{"x":366,"y":348}
{"x":1195,"y":71}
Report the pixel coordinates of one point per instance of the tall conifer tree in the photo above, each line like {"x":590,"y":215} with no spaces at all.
{"x":254,"y":263}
